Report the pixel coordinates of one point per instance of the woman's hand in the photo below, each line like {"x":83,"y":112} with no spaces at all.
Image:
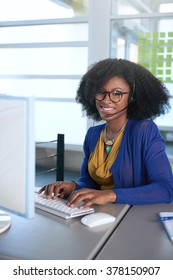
{"x":64,"y":189}
{"x":90,"y":197}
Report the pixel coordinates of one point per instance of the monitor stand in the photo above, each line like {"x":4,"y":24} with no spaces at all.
{"x":5,"y":221}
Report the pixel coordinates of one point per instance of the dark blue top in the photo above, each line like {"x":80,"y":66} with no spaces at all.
{"x":141,"y":171}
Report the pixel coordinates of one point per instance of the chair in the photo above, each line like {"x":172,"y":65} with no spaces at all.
{"x":51,"y":162}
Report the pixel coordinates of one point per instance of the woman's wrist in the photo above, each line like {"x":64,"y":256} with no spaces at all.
{"x":74,"y":184}
{"x":112,"y":196}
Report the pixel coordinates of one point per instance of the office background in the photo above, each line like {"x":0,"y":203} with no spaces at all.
{"x":47,"y":45}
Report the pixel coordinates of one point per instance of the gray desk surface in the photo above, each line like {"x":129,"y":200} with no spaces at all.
{"x":50,"y":237}
{"x":140,"y":236}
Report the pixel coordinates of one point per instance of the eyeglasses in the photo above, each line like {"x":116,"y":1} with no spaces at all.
{"x":115,"y":95}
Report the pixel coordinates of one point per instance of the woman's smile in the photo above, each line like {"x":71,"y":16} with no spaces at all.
{"x":107,"y":109}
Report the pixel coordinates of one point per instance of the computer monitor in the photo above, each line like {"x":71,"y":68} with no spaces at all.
{"x":17,"y":158}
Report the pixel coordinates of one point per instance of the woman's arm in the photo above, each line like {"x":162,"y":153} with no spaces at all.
{"x":148,"y":168}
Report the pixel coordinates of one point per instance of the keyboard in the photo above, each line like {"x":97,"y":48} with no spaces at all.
{"x":59,"y":208}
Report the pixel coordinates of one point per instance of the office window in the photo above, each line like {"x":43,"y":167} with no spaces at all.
{"x":155,"y":51}
{"x":151,"y":44}
{"x":41,"y":9}
{"x":43,"y":61}
{"x":40,"y":87}
{"x":146,"y":40}
{"x":134,"y":7}
{"x":166,"y":7}
{"x":47,"y":33}
{"x":44,"y":54}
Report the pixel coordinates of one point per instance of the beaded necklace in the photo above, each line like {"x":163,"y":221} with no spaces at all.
{"x":109,"y":142}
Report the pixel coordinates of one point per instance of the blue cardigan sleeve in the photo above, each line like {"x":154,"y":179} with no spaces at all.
{"x":142,"y":172}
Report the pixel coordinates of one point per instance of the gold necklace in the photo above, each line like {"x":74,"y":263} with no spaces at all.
{"x":109,"y":142}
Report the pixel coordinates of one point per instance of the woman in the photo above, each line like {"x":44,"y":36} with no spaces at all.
{"x":125,"y":160}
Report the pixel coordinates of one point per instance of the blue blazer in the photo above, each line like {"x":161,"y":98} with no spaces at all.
{"x":141,"y":171}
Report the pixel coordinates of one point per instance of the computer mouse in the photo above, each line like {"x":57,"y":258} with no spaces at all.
{"x":97,"y":219}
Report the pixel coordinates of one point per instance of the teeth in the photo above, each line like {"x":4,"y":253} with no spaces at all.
{"x":107,"y":109}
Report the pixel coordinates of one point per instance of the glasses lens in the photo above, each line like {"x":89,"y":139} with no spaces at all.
{"x":100,"y":96}
{"x":116,"y":96}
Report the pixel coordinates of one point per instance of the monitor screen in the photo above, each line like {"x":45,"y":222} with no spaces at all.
{"x":17,"y":156}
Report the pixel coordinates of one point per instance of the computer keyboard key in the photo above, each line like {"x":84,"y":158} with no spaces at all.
{"x":59,"y":208}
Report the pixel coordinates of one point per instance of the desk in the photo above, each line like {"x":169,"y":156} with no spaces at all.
{"x":140,"y":236}
{"x":50,"y":237}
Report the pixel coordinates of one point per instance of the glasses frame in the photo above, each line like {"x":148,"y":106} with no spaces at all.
{"x":104,"y":93}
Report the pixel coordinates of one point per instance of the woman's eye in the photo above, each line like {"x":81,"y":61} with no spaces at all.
{"x":117,"y":92}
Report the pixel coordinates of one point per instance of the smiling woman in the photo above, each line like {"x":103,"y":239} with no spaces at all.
{"x":125,"y":160}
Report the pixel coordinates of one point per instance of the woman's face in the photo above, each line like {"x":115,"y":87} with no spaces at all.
{"x":113,"y":104}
